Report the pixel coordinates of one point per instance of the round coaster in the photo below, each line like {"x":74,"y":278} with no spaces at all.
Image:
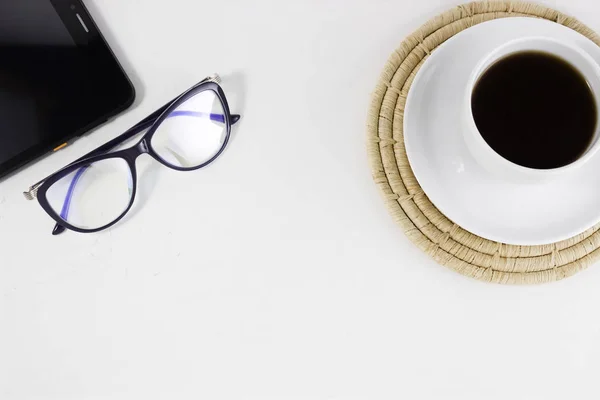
{"x":448,"y":243}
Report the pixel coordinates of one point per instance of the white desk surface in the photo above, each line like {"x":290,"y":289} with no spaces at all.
{"x":277,"y":272}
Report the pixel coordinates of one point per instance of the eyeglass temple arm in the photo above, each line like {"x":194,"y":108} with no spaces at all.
{"x":64,"y":213}
{"x":136,"y":129}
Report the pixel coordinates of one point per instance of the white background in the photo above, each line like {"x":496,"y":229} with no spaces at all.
{"x":277,"y":272}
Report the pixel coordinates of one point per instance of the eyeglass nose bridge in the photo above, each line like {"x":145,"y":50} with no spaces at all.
{"x":142,"y":147}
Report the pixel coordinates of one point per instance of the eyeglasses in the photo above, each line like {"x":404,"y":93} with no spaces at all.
{"x":97,"y":190}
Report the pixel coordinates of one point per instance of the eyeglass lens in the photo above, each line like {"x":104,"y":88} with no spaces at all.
{"x":193,"y":133}
{"x":94,"y":195}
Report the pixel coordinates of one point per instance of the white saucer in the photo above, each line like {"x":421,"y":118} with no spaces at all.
{"x":483,"y":203}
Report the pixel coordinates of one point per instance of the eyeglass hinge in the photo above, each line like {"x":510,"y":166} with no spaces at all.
{"x":32,"y":192}
{"x":213,"y":78}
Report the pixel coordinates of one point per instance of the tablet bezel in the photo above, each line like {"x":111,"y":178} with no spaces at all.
{"x":82,"y":28}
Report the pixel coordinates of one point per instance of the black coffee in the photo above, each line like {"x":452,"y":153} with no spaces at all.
{"x":535,"y":109}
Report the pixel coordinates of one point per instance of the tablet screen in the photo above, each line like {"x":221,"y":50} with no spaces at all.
{"x":57,"y":78}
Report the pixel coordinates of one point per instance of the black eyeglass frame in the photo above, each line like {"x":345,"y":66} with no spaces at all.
{"x":130,"y":154}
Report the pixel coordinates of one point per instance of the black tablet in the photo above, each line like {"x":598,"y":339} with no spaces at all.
{"x":58,"y":78}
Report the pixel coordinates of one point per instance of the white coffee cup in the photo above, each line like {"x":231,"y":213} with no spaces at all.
{"x":479,"y":148}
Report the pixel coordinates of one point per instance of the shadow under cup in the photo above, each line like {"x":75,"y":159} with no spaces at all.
{"x":535,"y":126}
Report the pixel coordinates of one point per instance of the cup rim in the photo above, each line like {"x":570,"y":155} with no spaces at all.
{"x":488,"y":61}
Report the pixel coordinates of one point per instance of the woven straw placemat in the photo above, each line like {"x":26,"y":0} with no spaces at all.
{"x":428,"y":228}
